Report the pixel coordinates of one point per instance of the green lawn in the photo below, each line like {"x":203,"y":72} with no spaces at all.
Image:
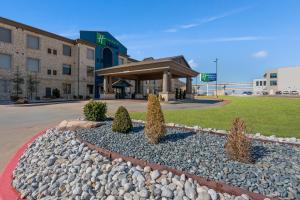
{"x":267,"y":115}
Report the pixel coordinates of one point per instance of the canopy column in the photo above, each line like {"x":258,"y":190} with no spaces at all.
{"x":138,"y":89}
{"x":107,"y":89}
{"x":165,"y":87}
{"x":189,"y":94}
{"x":105,"y":84}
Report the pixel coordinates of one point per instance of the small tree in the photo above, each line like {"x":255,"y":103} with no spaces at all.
{"x":122,"y":122}
{"x":95,"y":111}
{"x":31,"y":85}
{"x":155,"y":123}
{"x":17,"y":81}
{"x":238,"y":146}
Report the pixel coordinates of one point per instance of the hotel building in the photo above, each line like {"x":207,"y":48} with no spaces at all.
{"x":37,"y":64}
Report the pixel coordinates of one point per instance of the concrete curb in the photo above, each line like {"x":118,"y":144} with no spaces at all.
{"x":7,"y":192}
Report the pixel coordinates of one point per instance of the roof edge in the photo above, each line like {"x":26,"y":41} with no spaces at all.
{"x":43,"y":32}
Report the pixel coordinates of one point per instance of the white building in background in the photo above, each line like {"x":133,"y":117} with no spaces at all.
{"x":259,"y":86}
{"x":284,"y":80}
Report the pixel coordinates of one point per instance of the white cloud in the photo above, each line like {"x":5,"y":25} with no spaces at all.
{"x":260,"y":54}
{"x":192,"y":63}
{"x":207,"y":19}
{"x":186,"y":26}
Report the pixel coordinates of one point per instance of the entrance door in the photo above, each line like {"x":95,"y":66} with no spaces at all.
{"x":48,"y":92}
{"x":107,"y":58}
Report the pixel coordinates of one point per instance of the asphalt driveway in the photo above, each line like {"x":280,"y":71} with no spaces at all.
{"x":19,"y":123}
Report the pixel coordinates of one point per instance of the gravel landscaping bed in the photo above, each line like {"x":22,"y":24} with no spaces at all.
{"x":59,"y":166}
{"x":276,"y":172}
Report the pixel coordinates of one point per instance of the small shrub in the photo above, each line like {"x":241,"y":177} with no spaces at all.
{"x":80,"y":97}
{"x":155,"y":123}
{"x":122,"y":122}
{"x":95,"y":111}
{"x":21,"y":101}
{"x":238,"y":146}
{"x":56,"y":93}
{"x":180,"y":94}
{"x":14,"y":98}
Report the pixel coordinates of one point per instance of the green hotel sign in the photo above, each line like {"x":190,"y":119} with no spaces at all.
{"x":208,"y":77}
{"x":104,"y":41}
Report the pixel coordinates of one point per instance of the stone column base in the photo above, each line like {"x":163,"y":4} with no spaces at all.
{"x":167,"y":96}
{"x":189,"y":96}
{"x":139,"y":96}
{"x":107,"y":96}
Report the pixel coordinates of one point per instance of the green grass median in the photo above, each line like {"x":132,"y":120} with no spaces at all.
{"x":268,"y":115}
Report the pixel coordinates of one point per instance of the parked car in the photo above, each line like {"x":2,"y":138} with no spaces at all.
{"x":247,"y":93}
{"x":285,"y":92}
{"x":278,"y":93}
{"x":295,"y":92}
{"x":265,"y":93}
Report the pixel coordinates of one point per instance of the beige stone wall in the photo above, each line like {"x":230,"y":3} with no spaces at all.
{"x":19,"y":52}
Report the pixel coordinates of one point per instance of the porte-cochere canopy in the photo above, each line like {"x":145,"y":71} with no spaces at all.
{"x":151,"y":69}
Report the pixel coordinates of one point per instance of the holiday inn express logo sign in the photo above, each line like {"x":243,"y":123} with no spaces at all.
{"x":104,"y":41}
{"x":208,"y":77}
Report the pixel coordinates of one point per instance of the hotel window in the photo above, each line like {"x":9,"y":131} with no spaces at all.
{"x":67,"y":50}
{"x":33,"y":65}
{"x":265,"y":83}
{"x":121,"y":61}
{"x":273,"y":75}
{"x":90,"y":71}
{"x":33,"y":42}
{"x":260,"y":83}
{"x":49,"y":51}
{"x":273,"y":83}
{"x":5,"y":35}
{"x":49,"y":71}
{"x":67,"y":88}
{"x":257,"y":83}
{"x":5,"y":61}
{"x":66,"y":69}
{"x":54,"y":72}
{"x":4,"y":86}
{"x":54,"y":52}
{"x":90,"y":54}
{"x":90,"y":88}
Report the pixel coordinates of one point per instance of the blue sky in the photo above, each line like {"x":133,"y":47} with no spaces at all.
{"x":248,"y":37}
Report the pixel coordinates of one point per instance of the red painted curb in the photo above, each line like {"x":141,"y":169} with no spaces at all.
{"x":7,"y":192}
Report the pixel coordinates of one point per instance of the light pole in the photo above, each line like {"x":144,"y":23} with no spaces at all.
{"x":216,"y":61}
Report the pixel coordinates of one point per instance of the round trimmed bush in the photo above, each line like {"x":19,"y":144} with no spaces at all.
{"x":122,"y":122}
{"x":95,"y":111}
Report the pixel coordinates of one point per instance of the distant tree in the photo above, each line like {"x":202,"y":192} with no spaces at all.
{"x":31,"y":85}
{"x":17,"y":81}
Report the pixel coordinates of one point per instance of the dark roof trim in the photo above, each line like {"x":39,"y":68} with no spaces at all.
{"x":42,"y":32}
{"x":133,"y":60}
